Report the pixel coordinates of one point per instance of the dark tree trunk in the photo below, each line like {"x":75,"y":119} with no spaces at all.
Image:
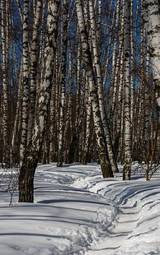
{"x":26,"y":181}
{"x":73,"y":149}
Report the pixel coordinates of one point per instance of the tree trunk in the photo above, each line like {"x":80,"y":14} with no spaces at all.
{"x":97,"y":67}
{"x":34,"y":59}
{"x":151,"y":14}
{"x":5,"y":88}
{"x":26,"y":180}
{"x":33,"y":150}
{"x":127,"y":92}
{"x":63,"y":83}
{"x":87,"y":58}
{"x":25,"y":80}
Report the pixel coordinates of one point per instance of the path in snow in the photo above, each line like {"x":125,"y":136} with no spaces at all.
{"x":136,"y":228}
{"x":77,"y":212}
{"x":117,"y":234}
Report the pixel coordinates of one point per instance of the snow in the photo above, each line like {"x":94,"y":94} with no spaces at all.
{"x":77,"y":212}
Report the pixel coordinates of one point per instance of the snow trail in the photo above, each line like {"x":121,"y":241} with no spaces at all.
{"x":77,"y":212}
{"x":117,"y":234}
{"x":131,"y":232}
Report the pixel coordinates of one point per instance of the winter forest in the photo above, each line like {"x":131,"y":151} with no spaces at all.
{"x":79,"y":127}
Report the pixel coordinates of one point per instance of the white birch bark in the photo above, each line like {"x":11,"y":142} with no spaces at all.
{"x":25,"y":79}
{"x":151,"y":14}
{"x":5,"y":110}
{"x":63,"y":81}
{"x":102,"y":150}
{"x":34,"y":57}
{"x":88,"y":122}
{"x":97,"y":68}
{"x":127,"y":91}
{"x":27,"y":170}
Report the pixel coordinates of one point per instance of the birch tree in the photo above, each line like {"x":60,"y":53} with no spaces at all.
{"x":151,"y":14}
{"x":29,"y":164}
{"x":5,"y":88}
{"x":102,"y":150}
{"x":34,"y":60}
{"x":127,"y":90}
{"x":25,"y":80}
{"x":63,"y":80}
{"x":97,"y":67}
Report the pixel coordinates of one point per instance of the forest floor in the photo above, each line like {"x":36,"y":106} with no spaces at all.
{"x":77,"y":212}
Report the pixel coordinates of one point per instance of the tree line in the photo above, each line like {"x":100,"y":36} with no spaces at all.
{"x":80,"y":82}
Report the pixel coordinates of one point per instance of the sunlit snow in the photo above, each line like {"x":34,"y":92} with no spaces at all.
{"x":77,"y":212}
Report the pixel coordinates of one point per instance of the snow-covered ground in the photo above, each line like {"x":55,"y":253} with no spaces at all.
{"x":77,"y":212}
